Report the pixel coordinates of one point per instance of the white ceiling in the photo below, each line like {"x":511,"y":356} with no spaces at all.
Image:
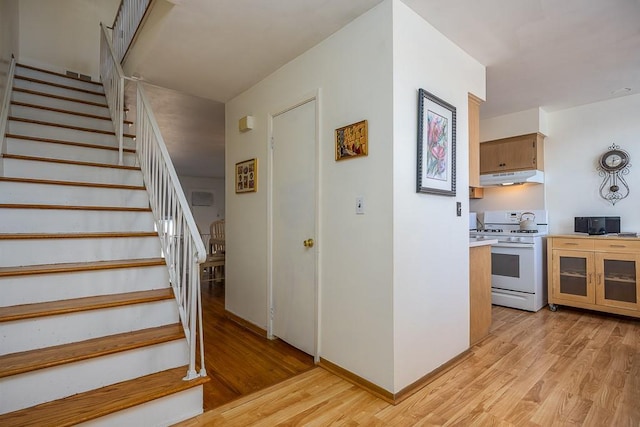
{"x":538,"y":53}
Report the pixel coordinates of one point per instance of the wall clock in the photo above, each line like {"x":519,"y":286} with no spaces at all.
{"x":613,"y":165}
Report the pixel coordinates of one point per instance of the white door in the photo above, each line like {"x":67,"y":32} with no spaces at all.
{"x":294,"y":220}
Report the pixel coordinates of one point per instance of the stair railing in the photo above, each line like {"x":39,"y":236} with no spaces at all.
{"x":113,"y":81}
{"x":4,"y":109}
{"x":181,"y":244}
{"x":126,"y":23}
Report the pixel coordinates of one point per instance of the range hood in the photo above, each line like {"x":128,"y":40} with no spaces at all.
{"x":510,"y":178}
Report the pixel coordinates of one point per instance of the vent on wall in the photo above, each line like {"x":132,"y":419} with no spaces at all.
{"x":78,"y":76}
{"x":201,"y":198}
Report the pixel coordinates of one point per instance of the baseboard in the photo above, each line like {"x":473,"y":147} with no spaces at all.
{"x":385,"y":395}
{"x":430,"y":377}
{"x":246,"y":324}
{"x":357,"y":380}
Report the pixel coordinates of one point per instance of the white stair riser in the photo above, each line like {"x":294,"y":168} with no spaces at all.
{"x":165,"y":411}
{"x":30,"y":334}
{"x":61,"y":286}
{"x":50,"y":194}
{"x":26,"y":147}
{"x":32,"y":388}
{"x":31,"y":251}
{"x":54,"y":90}
{"x":43,"y":115}
{"x":69,"y":221}
{"x":64,"y":134}
{"x":65,"y":172}
{"x":53,"y":78}
{"x":47,"y":101}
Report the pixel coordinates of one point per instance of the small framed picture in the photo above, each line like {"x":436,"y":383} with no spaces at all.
{"x":352,"y":141}
{"x":247,"y":176}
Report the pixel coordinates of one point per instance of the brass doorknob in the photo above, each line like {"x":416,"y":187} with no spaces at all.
{"x":308,"y":243}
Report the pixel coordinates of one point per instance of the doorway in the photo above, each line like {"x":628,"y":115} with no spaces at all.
{"x":293,"y":305}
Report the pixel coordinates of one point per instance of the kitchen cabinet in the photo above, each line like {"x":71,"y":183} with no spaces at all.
{"x":474,"y":141}
{"x":595,"y":272}
{"x":479,"y":293}
{"x":516,"y":153}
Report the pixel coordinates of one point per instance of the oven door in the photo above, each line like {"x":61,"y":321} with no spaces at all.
{"x":512,"y":267}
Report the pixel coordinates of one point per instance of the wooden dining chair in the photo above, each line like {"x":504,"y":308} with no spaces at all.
{"x":215,"y":259}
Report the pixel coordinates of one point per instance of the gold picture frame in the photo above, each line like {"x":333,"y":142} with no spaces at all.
{"x":247,"y":176}
{"x":352,"y":141}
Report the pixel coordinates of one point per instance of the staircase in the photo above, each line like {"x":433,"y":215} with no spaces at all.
{"x":89,"y":327}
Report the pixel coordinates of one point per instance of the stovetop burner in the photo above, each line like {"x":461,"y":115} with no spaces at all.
{"x":524,"y":231}
{"x":491,"y":230}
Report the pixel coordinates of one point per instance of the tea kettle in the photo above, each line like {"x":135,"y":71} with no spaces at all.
{"x":528,"y":224}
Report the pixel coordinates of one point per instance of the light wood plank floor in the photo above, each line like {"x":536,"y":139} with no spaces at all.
{"x":535,"y":369}
{"x":238,"y":361}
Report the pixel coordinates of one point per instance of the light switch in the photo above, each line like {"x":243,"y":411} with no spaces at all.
{"x":360,"y":205}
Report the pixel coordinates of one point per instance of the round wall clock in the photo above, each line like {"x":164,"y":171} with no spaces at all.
{"x":614,"y":160}
{"x":613,"y":165}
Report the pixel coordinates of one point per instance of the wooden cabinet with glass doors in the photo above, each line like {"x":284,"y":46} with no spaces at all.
{"x":597,"y":273}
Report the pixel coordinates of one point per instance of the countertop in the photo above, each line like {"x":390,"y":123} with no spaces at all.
{"x":594,"y":236}
{"x":473,"y":243}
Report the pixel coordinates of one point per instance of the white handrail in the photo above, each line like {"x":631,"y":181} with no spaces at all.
{"x":126,"y":24}
{"x":182,"y":246}
{"x":113,"y":81}
{"x":4,"y":108}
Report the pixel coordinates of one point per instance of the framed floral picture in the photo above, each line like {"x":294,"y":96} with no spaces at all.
{"x":247,"y":176}
{"x":436,"y":172}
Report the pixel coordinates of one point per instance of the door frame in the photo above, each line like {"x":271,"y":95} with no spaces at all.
{"x":284,"y":108}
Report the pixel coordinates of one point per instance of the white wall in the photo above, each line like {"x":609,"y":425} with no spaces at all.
{"x":64,"y":34}
{"x":204,"y":215}
{"x":519,"y":123}
{"x":519,"y":197}
{"x":353,"y":70}
{"x":431,"y":247}
{"x":577,"y":138}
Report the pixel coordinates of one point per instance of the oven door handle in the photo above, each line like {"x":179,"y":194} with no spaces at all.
{"x":513,"y":245}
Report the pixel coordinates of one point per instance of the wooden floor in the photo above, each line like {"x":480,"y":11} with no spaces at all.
{"x":238,"y":361}
{"x":535,"y":369}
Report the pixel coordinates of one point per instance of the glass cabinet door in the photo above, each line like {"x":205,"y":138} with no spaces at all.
{"x":617,"y":280}
{"x":573,"y":276}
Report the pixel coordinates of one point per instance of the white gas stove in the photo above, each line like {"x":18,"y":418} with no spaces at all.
{"x":518,"y":268}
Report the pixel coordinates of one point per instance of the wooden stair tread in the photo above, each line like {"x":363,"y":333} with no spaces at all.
{"x":60,"y":110}
{"x":42,"y":70}
{"x":64,"y":98}
{"x":59,"y":125}
{"x":69,"y":162}
{"x":44,"y":82}
{"x":72,"y":183}
{"x":74,"y":305}
{"x":26,"y":361}
{"x":90,"y":235}
{"x":73,"y":143}
{"x":79,"y":266}
{"x":73,"y":208}
{"x":93,"y":404}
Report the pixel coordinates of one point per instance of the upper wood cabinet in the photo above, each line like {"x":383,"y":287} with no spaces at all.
{"x":474,"y":141}
{"x":512,"y":154}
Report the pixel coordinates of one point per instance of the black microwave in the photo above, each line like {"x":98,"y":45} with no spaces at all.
{"x":597,"y":224}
